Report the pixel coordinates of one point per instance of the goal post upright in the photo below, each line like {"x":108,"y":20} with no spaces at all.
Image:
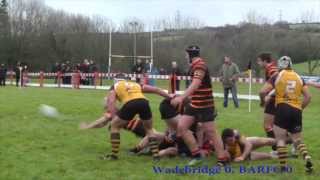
{"x":110,"y":54}
{"x":151,"y":50}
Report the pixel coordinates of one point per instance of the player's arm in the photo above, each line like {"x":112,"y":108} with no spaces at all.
{"x":313,"y":84}
{"x":246,"y":151}
{"x":247,"y":147}
{"x":155,"y":90}
{"x":196,"y":82}
{"x":99,"y":123}
{"x":306,"y":97}
{"x":110,"y":102}
{"x":267,"y":87}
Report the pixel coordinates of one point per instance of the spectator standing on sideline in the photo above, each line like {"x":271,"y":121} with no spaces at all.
{"x":84,"y":68}
{"x":3,"y":74}
{"x":147,"y":67}
{"x":176,"y":71}
{"x":17,"y":71}
{"x":55,"y":69}
{"x":162,"y":71}
{"x":138,"y":69}
{"x":230,"y":73}
{"x":92,"y":69}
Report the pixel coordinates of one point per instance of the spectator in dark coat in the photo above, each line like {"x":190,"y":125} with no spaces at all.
{"x":3,"y":75}
{"x":17,"y":71}
{"x":138,"y":69}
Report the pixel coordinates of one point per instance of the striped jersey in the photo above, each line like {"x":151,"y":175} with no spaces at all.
{"x":201,"y":97}
{"x":270,"y":70}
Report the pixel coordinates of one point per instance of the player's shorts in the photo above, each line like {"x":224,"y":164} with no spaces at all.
{"x":133,"y":107}
{"x":289,"y":118}
{"x":167,"y":111}
{"x":139,"y":130}
{"x":183,"y":149}
{"x":271,"y":107}
{"x":166,"y":144}
{"x":201,"y":114}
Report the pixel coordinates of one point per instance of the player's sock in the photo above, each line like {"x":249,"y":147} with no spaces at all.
{"x":115,"y":143}
{"x":196,"y":158}
{"x":222,"y":161}
{"x":196,"y":153}
{"x":301,"y":147}
{"x":153,"y":143}
{"x":283,"y":155}
{"x":270,"y":134}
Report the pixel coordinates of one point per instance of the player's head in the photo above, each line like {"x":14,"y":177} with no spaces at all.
{"x":228,"y":136}
{"x":264,"y":58}
{"x":192,"y":51}
{"x":285,"y":62}
{"x":174,"y":64}
{"x":119,"y":77}
{"x":227,"y":59}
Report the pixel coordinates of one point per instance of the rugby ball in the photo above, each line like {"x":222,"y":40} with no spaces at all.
{"x":48,"y":111}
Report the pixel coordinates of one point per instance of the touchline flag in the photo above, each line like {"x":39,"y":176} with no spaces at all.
{"x":250,"y":83}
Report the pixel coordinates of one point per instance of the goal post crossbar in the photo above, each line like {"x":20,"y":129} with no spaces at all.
{"x":122,"y":56}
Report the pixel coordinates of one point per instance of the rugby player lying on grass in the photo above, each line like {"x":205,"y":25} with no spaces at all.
{"x":242,"y":148}
{"x":133,"y":101}
{"x":169,"y":145}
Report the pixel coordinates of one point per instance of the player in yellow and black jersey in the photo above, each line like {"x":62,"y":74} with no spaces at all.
{"x":133,"y":102}
{"x":289,"y":88}
{"x":242,"y":148}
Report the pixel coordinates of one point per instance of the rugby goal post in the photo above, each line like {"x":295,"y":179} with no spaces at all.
{"x":126,"y":56}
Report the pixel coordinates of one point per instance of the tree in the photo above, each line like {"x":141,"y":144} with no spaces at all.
{"x":4,"y":32}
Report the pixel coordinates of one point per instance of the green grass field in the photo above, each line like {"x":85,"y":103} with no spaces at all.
{"x":302,"y":68}
{"x":38,"y":148}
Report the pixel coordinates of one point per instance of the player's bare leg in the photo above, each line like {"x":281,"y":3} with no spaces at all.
{"x":153,"y":142}
{"x":281,"y":136}
{"x":211,"y":131}
{"x":145,"y":141}
{"x":171,"y":151}
{"x":268,"y":127}
{"x":261,"y":156}
{"x":183,"y":134}
{"x":258,"y":142}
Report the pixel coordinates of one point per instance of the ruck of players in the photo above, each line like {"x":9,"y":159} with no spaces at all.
{"x":190,"y":118}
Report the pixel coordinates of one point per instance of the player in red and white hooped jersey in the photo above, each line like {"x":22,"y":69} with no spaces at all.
{"x":265,"y":61}
{"x":199,"y":109}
